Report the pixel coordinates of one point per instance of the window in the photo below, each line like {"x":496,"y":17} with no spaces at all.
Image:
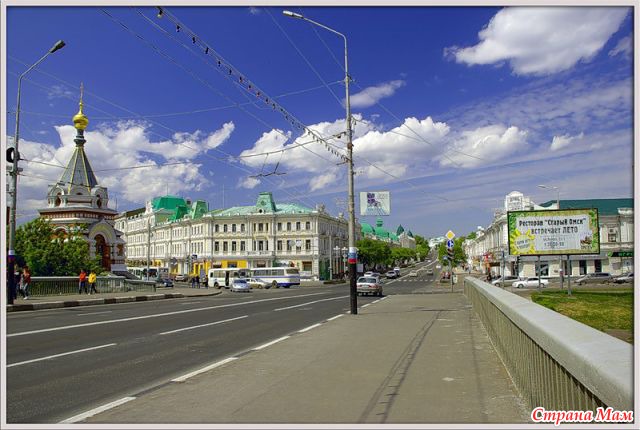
{"x":225,"y":247}
{"x":216,"y":246}
{"x":260,"y":228}
{"x":233,"y":246}
{"x":307,"y":266}
{"x":217,"y":228}
{"x":598,"y":266}
{"x":233,"y":228}
{"x":242,"y":228}
{"x":289,"y":245}
{"x":279,"y":245}
{"x":224,"y":228}
{"x":288,"y":226}
{"x":242,"y":245}
{"x":297,"y":225}
{"x":307,"y":225}
{"x":307,"y":245}
{"x":260,"y":245}
{"x":279,"y":226}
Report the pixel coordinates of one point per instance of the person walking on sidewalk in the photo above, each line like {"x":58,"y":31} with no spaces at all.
{"x":26,"y":282}
{"x":92,"y":282}
{"x":82,"y":285}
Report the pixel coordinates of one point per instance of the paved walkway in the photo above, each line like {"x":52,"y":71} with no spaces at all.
{"x":419,"y":358}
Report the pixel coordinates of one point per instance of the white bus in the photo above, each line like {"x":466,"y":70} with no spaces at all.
{"x":277,"y":276}
{"x":218,"y":278}
{"x":154,"y":272}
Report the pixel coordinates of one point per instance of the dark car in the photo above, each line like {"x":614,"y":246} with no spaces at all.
{"x":164,"y":282}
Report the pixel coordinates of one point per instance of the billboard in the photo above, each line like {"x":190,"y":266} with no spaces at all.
{"x":375,"y":203}
{"x":553,"y":232}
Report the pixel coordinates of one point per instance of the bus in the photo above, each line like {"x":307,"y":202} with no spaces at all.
{"x":154,"y":272}
{"x":277,"y":276}
{"x":218,"y":278}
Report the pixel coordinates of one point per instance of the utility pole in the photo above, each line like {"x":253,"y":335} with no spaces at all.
{"x":148,"y":245}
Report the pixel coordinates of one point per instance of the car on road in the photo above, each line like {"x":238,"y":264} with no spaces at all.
{"x":181,"y":278}
{"x":627,"y":278}
{"x":164,"y":282}
{"x":366,"y":285}
{"x":429,"y":271}
{"x":508,"y":279}
{"x":240,"y":285}
{"x":413,"y":273}
{"x":530,"y":282}
{"x":397,"y":270}
{"x":595,"y":278}
{"x":257,"y":283}
{"x":438,"y":266}
{"x":391,"y":274}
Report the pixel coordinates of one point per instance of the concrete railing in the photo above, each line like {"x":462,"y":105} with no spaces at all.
{"x":63,"y":285}
{"x":556,"y":362}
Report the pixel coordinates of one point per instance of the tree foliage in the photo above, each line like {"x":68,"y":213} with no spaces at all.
{"x":48,"y":254}
{"x":459,"y":255}
{"x":372,"y":252}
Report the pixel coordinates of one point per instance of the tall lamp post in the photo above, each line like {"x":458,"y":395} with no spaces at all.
{"x":560,"y":268}
{"x":13,"y":183}
{"x":352,"y":256}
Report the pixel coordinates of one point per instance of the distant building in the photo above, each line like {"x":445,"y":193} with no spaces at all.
{"x":76,"y":202}
{"x":379,"y":233}
{"x":188,"y":238}
{"x":485,"y":252}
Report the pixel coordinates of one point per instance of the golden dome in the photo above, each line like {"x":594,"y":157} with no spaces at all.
{"x":80,"y":121}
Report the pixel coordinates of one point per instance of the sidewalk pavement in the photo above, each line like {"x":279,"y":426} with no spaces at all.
{"x":73,"y":300}
{"x":419,"y":358}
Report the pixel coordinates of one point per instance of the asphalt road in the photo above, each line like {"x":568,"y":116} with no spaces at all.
{"x":62,"y":362}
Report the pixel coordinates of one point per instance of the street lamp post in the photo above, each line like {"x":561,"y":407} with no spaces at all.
{"x":352,"y":256}
{"x":560,"y":268}
{"x":13,"y":183}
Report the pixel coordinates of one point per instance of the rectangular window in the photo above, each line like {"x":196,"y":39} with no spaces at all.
{"x":297,"y":225}
{"x":225,"y":247}
{"x":233,"y":246}
{"x":224,"y":228}
{"x":217,"y":228}
{"x":279,"y":226}
{"x":307,"y":245}
{"x":307,"y":266}
{"x":233,"y":228}
{"x":307,"y":225}
{"x":288,"y":226}
{"x":279,"y":245}
{"x":260,"y":245}
{"x":260,"y":227}
{"x":242,"y":245}
{"x":289,"y":245}
{"x":242,"y":228}
{"x":216,"y":246}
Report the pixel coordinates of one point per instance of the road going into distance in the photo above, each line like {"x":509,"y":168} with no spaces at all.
{"x":62,"y":362}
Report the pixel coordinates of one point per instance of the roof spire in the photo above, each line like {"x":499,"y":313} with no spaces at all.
{"x":80,"y":121}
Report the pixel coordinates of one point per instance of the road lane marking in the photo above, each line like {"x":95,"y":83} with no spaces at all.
{"x":309,"y":328}
{"x":258,"y":348}
{"x":364,"y":306}
{"x":336,"y":317}
{"x":189,"y":303}
{"x":309,"y":303}
{"x":49,"y":357}
{"x":203,"y":325}
{"x":95,"y":411}
{"x":204,"y":369}
{"x":95,"y":313}
{"x":157,"y":315}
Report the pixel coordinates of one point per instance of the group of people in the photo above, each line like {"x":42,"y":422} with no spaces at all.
{"x":22,"y":284}
{"x":83,"y":279}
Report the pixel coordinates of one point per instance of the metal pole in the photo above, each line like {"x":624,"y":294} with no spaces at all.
{"x":502,"y":282}
{"x":569,"y":278}
{"x":539,"y":274}
{"x":13,"y":183}
{"x":148,"y":244}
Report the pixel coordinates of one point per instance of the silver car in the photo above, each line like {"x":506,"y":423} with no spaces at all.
{"x":628,"y":278}
{"x":240,"y":285}
{"x":595,"y":278}
{"x":369,"y":285}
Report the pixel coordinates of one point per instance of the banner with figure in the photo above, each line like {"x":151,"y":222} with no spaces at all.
{"x":375,"y":203}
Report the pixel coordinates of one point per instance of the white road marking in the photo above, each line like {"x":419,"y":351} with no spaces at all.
{"x":203,"y":325}
{"x":364,"y":306}
{"x":336,"y":317}
{"x":49,"y":357}
{"x":204,"y":369}
{"x":375,"y":301}
{"x":156,"y":315}
{"x":92,"y":412}
{"x":309,"y":303}
{"x":270,"y":343}
{"x":189,"y":303}
{"x":309,"y":328}
{"x":95,"y":313}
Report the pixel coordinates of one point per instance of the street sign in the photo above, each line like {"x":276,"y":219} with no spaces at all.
{"x":450,"y":243}
{"x":450,"y":235}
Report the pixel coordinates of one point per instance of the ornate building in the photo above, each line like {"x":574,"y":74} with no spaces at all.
{"x":76,"y":202}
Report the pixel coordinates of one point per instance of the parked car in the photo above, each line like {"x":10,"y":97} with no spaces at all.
{"x":181,"y":278}
{"x":369,"y":285}
{"x":628,"y":278}
{"x":257,"y":283}
{"x":397,"y":270}
{"x":498,"y":282}
{"x":530,"y":282}
{"x":391,"y":274}
{"x":240,"y":285}
{"x":595,"y":278}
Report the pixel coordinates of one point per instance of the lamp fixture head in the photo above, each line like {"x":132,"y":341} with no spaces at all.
{"x":59,"y":45}
{"x":292,"y":14}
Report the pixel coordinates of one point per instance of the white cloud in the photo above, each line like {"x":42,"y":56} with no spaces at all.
{"x":320,"y":182}
{"x":58,"y":91}
{"x":563,"y":141}
{"x":623,"y":47}
{"x":542,"y":40}
{"x":248,"y":183}
{"x":254,"y":10}
{"x":484,"y":145}
{"x":371,"y":95}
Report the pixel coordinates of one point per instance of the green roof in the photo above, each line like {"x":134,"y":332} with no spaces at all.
{"x":366,"y":228}
{"x":168,"y":202}
{"x":604,"y":206}
{"x":400,"y":230}
{"x":176,"y":207}
{"x":264,"y":204}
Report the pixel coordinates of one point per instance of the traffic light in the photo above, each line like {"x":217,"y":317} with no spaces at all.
{"x":11,"y":154}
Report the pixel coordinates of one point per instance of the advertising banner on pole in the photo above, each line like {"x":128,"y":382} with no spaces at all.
{"x":375,"y":203}
{"x":554,"y":232}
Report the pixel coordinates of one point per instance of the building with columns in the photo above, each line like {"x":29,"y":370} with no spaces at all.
{"x":188,"y":238}
{"x":489,"y":249}
{"x":76,"y":202}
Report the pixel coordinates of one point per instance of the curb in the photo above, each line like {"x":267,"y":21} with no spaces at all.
{"x":105,"y":301}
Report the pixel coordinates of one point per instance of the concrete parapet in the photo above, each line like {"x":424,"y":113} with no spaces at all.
{"x":556,"y":362}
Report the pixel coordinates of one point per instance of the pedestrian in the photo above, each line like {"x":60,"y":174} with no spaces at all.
{"x":26,"y":282}
{"x":82,"y":285}
{"x":193,"y":282}
{"x":92,"y":282}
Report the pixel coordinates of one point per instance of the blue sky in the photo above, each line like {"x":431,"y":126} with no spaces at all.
{"x":455,"y":107}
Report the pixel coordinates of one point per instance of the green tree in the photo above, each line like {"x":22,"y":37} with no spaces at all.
{"x":472,"y":235}
{"x":422,"y":246}
{"x":459,"y":255}
{"x":399,"y":254}
{"x":49,"y":254}
{"x":372,"y":252}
